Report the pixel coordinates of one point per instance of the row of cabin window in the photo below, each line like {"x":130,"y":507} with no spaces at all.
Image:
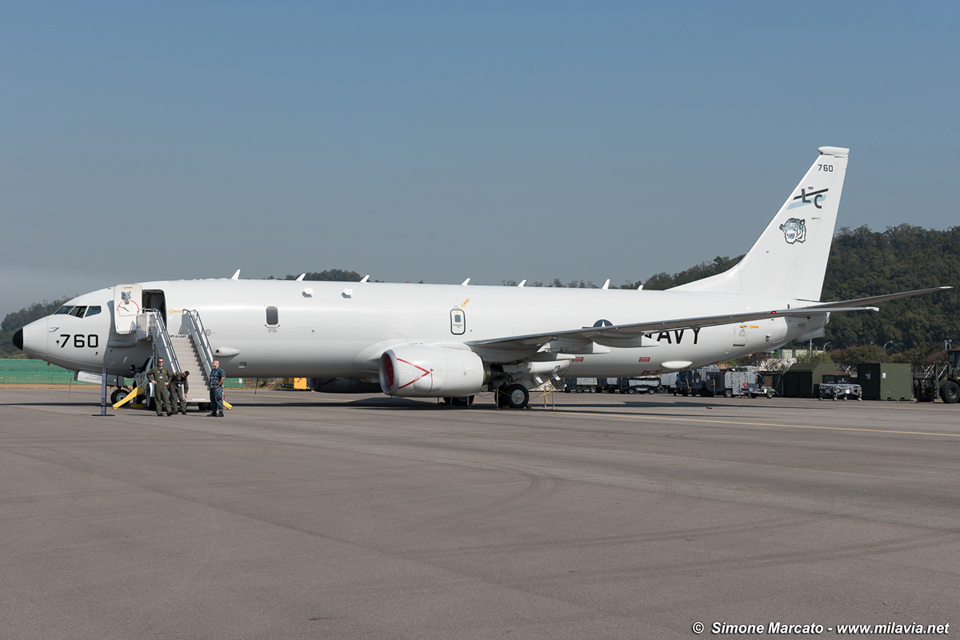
{"x":273,"y":315}
{"x":457,"y":320}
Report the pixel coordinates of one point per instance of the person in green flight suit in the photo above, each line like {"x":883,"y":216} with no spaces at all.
{"x":179,"y":389}
{"x":160,"y":376}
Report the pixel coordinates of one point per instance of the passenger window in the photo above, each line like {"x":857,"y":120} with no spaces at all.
{"x":92,"y":311}
{"x":273,"y":316}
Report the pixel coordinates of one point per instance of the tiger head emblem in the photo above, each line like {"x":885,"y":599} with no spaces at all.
{"x":794,"y":230}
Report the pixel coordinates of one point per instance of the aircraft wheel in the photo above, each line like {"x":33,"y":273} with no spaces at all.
{"x":513,"y":396}
{"x":950,"y":392}
{"x":118,"y":395}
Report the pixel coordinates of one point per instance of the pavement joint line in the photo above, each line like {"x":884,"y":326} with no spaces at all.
{"x":757,"y":424}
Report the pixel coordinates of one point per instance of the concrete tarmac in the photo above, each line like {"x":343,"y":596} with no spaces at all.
{"x":304,"y":515}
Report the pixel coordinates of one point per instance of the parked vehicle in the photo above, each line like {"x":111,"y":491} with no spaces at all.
{"x":837,"y":387}
{"x":580,"y":385}
{"x":640,"y":384}
{"x":940,"y":379}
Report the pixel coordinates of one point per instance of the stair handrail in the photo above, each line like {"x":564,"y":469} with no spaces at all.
{"x":161,"y":339}
{"x":194,"y":327}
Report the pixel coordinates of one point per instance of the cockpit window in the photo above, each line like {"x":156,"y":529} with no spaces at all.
{"x":63,"y":310}
{"x":92,"y":311}
{"x":77,"y":311}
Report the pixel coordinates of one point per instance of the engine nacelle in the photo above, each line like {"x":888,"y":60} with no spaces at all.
{"x":430,"y":372}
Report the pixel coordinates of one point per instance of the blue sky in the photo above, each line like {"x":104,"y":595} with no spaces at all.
{"x":440,"y":141}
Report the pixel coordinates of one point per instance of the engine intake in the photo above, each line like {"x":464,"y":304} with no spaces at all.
{"x":431,"y":372}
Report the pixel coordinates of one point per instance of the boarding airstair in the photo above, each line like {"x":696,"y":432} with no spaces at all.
{"x":186,"y":350}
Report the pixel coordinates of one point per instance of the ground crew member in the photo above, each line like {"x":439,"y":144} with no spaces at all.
{"x":160,"y":376}
{"x":179,"y":388}
{"x":217,"y":376}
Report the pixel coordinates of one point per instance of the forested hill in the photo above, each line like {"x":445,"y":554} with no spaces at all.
{"x":872,"y":263}
{"x":862,"y":263}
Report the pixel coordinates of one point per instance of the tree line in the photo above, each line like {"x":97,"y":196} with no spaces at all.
{"x":862,"y":263}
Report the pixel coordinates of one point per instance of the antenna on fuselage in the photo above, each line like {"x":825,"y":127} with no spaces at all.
{"x":236,"y":276}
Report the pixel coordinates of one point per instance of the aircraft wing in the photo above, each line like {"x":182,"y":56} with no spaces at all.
{"x":625,"y":332}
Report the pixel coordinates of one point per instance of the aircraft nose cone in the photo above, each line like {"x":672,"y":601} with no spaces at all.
{"x":18,"y":339}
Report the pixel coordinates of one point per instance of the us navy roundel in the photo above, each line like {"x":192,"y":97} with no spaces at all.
{"x":794,"y":230}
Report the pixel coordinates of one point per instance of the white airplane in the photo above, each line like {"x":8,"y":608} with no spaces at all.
{"x":449,"y":341}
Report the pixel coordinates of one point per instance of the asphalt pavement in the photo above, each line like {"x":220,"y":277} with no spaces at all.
{"x":305,"y":515}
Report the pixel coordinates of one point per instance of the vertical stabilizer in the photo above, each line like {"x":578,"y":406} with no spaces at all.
{"x":790,"y":257}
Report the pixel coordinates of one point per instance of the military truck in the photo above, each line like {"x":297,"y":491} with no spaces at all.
{"x":941,"y":379}
{"x":839,"y":387}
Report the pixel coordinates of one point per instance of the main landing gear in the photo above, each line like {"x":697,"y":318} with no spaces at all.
{"x":513,"y":396}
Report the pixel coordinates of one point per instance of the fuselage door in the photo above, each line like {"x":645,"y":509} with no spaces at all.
{"x":740,"y":335}
{"x":127,"y":303}
{"x":458,"y":321}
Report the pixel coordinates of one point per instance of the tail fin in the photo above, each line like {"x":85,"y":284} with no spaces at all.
{"x":790,"y":257}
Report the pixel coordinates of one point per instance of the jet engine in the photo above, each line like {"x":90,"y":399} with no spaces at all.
{"x":431,"y":372}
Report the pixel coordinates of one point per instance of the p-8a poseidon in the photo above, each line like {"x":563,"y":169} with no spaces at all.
{"x":449,"y":341}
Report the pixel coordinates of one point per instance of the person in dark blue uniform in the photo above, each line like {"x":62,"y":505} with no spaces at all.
{"x":217,"y":376}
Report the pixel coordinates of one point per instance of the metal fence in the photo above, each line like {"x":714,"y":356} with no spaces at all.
{"x":25,"y":371}
{"x":22,"y":371}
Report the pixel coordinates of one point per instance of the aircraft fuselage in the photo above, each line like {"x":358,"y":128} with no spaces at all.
{"x":270,"y":328}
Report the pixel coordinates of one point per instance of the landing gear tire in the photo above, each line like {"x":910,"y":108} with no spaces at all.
{"x":118,"y":395}
{"x":513,"y":396}
{"x":950,"y":392}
